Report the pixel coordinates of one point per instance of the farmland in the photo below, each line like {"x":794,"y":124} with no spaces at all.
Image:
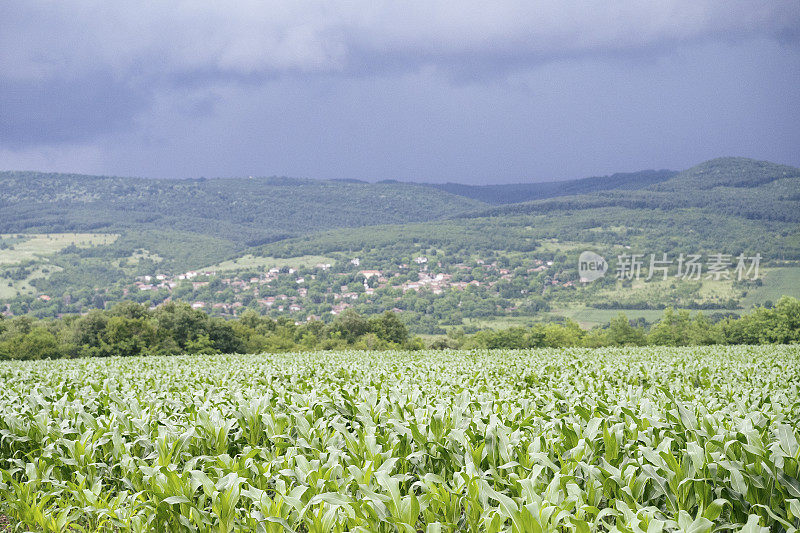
{"x":26,"y":257}
{"x":639,"y":439}
{"x":31,"y":247}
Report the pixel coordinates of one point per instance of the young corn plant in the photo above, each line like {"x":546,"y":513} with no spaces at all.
{"x":644,"y":440}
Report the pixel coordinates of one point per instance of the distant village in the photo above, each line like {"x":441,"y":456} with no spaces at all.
{"x":287,"y":290}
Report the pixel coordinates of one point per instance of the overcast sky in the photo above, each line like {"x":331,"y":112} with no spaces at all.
{"x":466,"y":91}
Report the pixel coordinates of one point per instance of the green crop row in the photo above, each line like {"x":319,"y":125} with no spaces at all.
{"x":635,"y":440}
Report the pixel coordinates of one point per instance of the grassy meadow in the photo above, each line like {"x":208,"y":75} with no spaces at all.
{"x":30,"y":247}
{"x":31,"y":251}
{"x":251,"y":262}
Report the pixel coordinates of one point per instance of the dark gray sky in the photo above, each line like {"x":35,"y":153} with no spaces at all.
{"x":467,"y":91}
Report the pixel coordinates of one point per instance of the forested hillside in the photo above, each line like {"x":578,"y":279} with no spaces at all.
{"x":756,"y":190}
{"x":302,"y":249}
{"x":727,"y":204}
{"x":524,"y":192}
{"x":242,"y":210}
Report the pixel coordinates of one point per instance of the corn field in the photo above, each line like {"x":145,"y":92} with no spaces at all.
{"x":635,"y":440}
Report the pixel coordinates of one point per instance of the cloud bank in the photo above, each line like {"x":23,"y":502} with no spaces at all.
{"x":168,"y":40}
{"x":77,"y":72}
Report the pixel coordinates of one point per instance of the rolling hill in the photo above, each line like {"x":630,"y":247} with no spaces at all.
{"x":244,"y":211}
{"x":524,"y":192}
{"x":756,"y":190}
{"x":726,"y":205}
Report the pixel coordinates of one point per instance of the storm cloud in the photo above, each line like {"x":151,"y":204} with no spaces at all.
{"x":467,"y":91}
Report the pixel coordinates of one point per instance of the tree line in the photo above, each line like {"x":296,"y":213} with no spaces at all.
{"x":130,"y":329}
{"x":775,"y":325}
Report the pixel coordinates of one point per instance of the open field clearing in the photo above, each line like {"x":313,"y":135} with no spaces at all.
{"x":639,"y":440}
{"x":777,"y":282}
{"x":589,"y":317}
{"x":249,"y":261}
{"x":10,"y":288}
{"x":32,"y":251}
{"x":33,"y":246}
